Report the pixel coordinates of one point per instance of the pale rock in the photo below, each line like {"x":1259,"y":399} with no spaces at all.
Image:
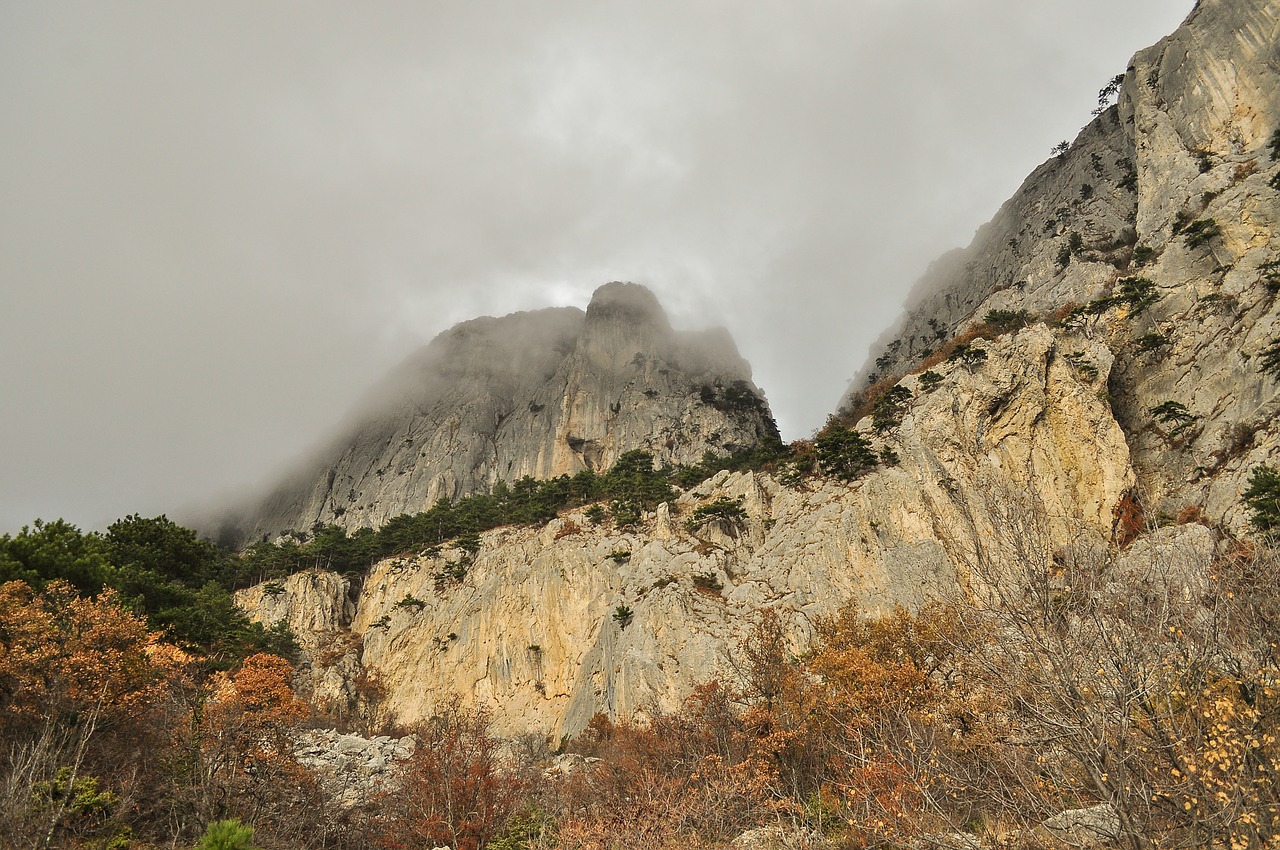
{"x":530,"y":632}
{"x":318,"y":608}
{"x":1195,"y":117}
{"x":539,"y":394}
{"x":1093,"y":826}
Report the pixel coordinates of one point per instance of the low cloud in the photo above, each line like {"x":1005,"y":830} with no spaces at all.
{"x":219,"y":224}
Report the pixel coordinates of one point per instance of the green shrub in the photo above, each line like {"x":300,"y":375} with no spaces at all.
{"x":1263,"y":498}
{"x":1200,"y":232}
{"x":968,"y":356}
{"x":411,"y":602}
{"x":619,"y":556}
{"x":1142,"y":255}
{"x":1006,"y":321}
{"x":844,"y":454}
{"x":929,"y":380}
{"x":724,"y":510}
{"x":623,"y":615}
{"x":227,"y":835}
{"x":1152,"y":341}
{"x":1175,"y":414}
{"x":526,"y":830}
{"x":887,"y":412}
{"x":1138,"y":292}
{"x":1269,"y":359}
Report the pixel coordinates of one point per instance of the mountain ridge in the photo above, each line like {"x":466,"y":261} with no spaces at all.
{"x":540,"y":394}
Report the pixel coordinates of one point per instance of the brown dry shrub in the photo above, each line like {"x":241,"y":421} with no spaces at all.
{"x":1192,"y":514}
{"x":1244,"y":169}
{"x":569,"y":528}
{"x":1130,"y":520}
{"x":1059,"y":315}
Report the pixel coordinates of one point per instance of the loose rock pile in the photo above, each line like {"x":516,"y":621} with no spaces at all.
{"x":352,"y":766}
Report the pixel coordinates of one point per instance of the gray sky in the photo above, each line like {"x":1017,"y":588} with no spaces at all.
{"x":221,"y":222}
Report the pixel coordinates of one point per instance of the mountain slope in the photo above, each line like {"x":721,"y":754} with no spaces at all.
{"x":541,"y":394}
{"x":1110,"y":405}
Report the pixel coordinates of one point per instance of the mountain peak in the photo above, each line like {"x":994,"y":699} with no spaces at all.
{"x":540,"y":394}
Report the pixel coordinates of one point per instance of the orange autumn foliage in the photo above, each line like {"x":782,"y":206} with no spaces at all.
{"x":64,"y":654}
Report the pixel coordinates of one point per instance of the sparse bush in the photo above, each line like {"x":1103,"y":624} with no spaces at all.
{"x":1200,"y":232}
{"x":1269,"y":359}
{"x":1142,"y":255}
{"x":619,"y":556}
{"x":1271,"y":275}
{"x":623,"y":615}
{"x":1175,"y":414}
{"x":708,"y":583}
{"x":725,"y":510}
{"x":1263,"y":498}
{"x":1152,"y":341}
{"x":1083,"y":366}
{"x":929,"y":380}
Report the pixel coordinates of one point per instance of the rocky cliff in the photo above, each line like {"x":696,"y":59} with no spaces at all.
{"x":1114,"y":314}
{"x":538,"y":628}
{"x":1174,"y":186}
{"x":541,"y":394}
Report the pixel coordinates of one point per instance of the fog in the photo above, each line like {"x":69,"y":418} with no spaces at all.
{"x":221,"y":223}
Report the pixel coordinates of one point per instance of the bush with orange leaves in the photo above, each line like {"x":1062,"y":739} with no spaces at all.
{"x":457,"y":789}
{"x":242,"y":748}
{"x":677,"y":780}
{"x":84,"y":685}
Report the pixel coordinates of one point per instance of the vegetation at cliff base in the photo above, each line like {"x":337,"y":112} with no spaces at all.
{"x":157,"y":569}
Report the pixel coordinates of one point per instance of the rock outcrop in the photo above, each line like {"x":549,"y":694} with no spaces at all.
{"x":541,"y":394}
{"x":1133,"y":283}
{"x":1175,"y":185}
{"x":551,"y":625}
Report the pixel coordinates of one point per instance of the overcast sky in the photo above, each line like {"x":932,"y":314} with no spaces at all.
{"x":221,"y":222}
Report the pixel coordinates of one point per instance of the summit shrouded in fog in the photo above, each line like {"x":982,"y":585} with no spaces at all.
{"x":540,"y":394}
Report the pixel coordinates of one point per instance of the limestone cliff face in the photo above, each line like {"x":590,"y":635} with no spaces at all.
{"x":531,"y":631}
{"x":1161,"y":220}
{"x":1188,"y":149}
{"x":542,"y":394}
